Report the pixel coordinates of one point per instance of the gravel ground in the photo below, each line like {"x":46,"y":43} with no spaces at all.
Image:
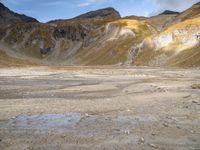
{"x":99,"y":108}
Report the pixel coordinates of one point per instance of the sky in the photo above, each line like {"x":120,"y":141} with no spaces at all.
{"x":46,"y":10}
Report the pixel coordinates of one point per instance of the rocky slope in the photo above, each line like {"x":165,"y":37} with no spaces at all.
{"x":178,"y":45}
{"x":9,"y":61}
{"x":8,"y":17}
{"x":102,"y":37}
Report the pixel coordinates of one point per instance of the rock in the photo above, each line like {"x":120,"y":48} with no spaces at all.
{"x":107,"y":118}
{"x":187,"y":96}
{"x":168,"y":117}
{"x":117,"y":130}
{"x":63,"y":136}
{"x":45,"y":51}
{"x":194,"y":101}
{"x":86,"y":114}
{"x":193,"y":139}
{"x":192,"y":131}
{"x":165,"y":124}
{"x":127,"y":132}
{"x":75,"y":33}
{"x":153,"y":134}
{"x":70,"y":119}
{"x":153,"y":146}
{"x":141,"y":140}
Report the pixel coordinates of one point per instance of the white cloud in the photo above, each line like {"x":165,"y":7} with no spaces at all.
{"x":178,"y":5}
{"x":174,"y":5}
{"x":54,"y":3}
{"x":84,"y":4}
{"x":90,"y":2}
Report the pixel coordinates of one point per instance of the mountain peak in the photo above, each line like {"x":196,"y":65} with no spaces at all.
{"x":8,"y":17}
{"x":169,"y":12}
{"x":197,"y":3}
{"x":3,"y":7}
{"x":108,"y":12}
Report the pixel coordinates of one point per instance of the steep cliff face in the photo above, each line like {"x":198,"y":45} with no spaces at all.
{"x":40,"y":40}
{"x":180,"y":36}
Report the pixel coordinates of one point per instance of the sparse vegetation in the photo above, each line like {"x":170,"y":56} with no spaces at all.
{"x":2,"y":33}
{"x":186,"y":58}
{"x":62,"y":39}
{"x":145,"y":56}
{"x":15,"y":35}
{"x":100,"y":82}
{"x":194,"y":13}
{"x":42,"y":32}
{"x":195,"y":86}
{"x":187,"y":24}
{"x":8,"y":61}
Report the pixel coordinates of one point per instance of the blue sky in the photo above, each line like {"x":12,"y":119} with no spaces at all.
{"x":45,"y":10}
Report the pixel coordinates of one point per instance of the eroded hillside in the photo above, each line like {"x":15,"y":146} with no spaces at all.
{"x":102,"y":37}
{"x":178,"y":45}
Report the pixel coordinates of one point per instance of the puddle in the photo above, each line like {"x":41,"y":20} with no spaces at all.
{"x":47,"y":121}
{"x":136,"y":119}
{"x":67,"y":121}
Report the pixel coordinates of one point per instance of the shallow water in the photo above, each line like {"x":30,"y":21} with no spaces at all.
{"x":46,"y":121}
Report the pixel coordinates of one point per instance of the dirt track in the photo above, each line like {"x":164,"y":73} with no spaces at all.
{"x":99,"y":108}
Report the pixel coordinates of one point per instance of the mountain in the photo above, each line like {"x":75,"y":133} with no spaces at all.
{"x":168,"y":12}
{"x":177,"y":45}
{"x":159,"y":22}
{"x":132,"y":17}
{"x":8,"y":17}
{"x":101,"y":14}
{"x":190,"y":13}
{"x":197,"y":3}
{"x":102,"y":37}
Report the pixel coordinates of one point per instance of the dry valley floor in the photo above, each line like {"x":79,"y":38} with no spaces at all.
{"x":111,"y":108}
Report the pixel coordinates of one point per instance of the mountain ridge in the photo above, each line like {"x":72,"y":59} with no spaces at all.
{"x":103,"y":37}
{"x":104,"y":13}
{"x":8,"y":17}
{"x":169,"y":12}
